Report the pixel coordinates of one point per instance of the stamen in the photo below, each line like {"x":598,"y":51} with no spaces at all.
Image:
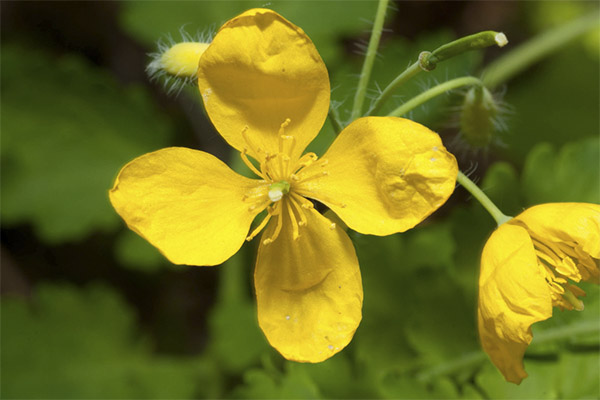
{"x":250,"y":165}
{"x":316,"y":175}
{"x":261,"y":226}
{"x":560,"y":260}
{"x":299,"y":210}
{"x":306,"y":160}
{"x":248,"y":142}
{"x":279,"y":212}
{"x":574,"y":301}
{"x":295,"y":233}
{"x":323,"y":199}
{"x":283,"y":126}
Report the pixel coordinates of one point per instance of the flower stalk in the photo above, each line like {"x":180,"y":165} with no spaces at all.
{"x":365,"y":74}
{"x":434,"y":92}
{"x":429,"y":60}
{"x":482,"y":198}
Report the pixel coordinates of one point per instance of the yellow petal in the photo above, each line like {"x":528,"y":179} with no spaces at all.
{"x":186,"y":203}
{"x":512,"y":296}
{"x":309,"y":290}
{"x":259,"y":71}
{"x":382,"y":175}
{"x":566,"y":222}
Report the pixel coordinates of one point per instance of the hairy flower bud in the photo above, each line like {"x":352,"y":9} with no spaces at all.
{"x":479,"y":117}
{"x":177,"y":63}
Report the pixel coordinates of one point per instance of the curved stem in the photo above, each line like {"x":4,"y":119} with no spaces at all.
{"x":408,"y":73}
{"x":428,"y":60}
{"x":365,"y":74}
{"x":434,"y":92}
{"x":535,"y":49}
{"x":485,"y":201}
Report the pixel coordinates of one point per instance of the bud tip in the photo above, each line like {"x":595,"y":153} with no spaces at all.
{"x":501,"y":39}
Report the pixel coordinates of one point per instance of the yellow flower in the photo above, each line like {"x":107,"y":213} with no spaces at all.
{"x":266,"y":90}
{"x":527,"y":267}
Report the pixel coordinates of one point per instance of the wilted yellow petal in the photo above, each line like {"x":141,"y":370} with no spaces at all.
{"x":512,"y":296}
{"x":259,"y":71}
{"x":382,"y":175}
{"x":187,"y":203}
{"x":309,"y":290}
{"x":566,"y":222}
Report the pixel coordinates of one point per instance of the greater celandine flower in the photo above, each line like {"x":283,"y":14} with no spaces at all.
{"x":527,"y":267}
{"x":266,"y":90}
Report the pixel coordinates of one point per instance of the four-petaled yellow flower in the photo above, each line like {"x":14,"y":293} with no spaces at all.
{"x":526,"y":269}
{"x":266,"y":90}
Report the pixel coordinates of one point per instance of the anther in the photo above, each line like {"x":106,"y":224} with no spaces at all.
{"x":284,"y":125}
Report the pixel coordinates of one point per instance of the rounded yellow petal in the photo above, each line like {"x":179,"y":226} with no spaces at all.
{"x":566,"y":222}
{"x":512,"y":296}
{"x":382,"y":175}
{"x":260,"y":71}
{"x":186,"y":203}
{"x":308,"y":290}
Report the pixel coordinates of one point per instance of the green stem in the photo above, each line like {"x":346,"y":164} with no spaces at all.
{"x":434,"y":92}
{"x":335,"y":120}
{"x":231,"y":280}
{"x":485,"y":201}
{"x":405,"y":76}
{"x":428,"y":60}
{"x":474,"y":358}
{"x":535,"y":49}
{"x":365,"y":74}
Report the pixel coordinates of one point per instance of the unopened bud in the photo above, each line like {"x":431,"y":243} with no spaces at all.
{"x":478,"y":117}
{"x":176,"y":64}
{"x":182,"y":59}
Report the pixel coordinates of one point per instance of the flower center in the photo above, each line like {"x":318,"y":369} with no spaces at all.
{"x":277,"y":190}
{"x":281,"y":175}
{"x":561,"y":262}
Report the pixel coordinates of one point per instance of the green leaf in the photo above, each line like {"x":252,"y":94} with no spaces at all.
{"x":572,"y":376}
{"x":294,"y":383}
{"x":570,"y":174}
{"x":83,"y":343}
{"x":405,"y":387}
{"x":236,"y":339}
{"x":441,"y":324}
{"x":66,"y":132}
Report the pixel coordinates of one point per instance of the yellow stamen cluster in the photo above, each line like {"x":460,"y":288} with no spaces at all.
{"x":561,"y":262}
{"x":282,"y":176}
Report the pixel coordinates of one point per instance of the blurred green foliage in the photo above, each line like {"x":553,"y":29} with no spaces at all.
{"x":68,"y":126}
{"x":66,"y":131}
